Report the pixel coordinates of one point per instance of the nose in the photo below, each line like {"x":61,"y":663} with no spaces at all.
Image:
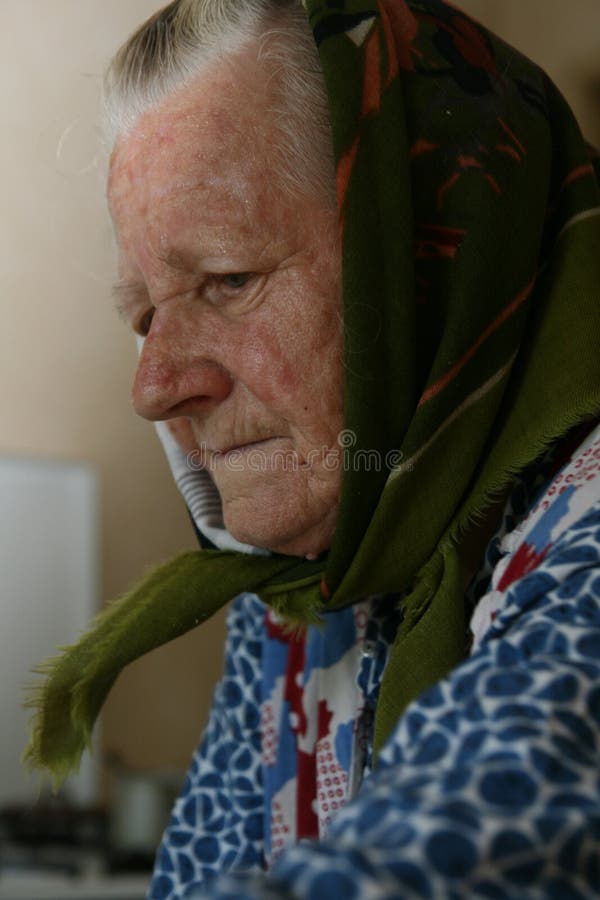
{"x":176,"y":373}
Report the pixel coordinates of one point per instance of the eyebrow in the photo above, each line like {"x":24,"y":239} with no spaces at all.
{"x":124,"y":293}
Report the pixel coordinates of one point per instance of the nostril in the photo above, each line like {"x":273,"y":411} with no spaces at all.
{"x":165,"y":387}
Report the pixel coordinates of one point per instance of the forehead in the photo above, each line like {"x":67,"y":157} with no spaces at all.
{"x":209,"y":134}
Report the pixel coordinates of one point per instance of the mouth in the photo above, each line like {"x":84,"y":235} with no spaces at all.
{"x":243,"y":446}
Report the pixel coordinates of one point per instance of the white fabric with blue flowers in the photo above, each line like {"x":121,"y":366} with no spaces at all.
{"x":489,"y":786}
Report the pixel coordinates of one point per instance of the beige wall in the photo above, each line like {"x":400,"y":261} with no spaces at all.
{"x":67,"y":363}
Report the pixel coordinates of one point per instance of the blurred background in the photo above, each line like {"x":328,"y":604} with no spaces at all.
{"x":86,"y":496}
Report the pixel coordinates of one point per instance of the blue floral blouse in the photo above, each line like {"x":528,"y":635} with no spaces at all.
{"x":489,"y":787}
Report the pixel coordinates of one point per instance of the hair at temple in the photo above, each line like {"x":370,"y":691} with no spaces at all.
{"x":184,"y":38}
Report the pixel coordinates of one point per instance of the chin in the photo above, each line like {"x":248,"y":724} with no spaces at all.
{"x":290,"y":534}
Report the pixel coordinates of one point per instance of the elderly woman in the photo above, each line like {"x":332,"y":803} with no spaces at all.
{"x":359,"y":245}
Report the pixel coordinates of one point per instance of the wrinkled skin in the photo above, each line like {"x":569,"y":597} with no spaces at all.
{"x":237,"y":289}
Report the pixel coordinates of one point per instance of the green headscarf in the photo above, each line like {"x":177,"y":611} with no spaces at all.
{"x":470,"y":222}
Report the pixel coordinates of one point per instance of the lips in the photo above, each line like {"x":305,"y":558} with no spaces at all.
{"x":240,"y":446}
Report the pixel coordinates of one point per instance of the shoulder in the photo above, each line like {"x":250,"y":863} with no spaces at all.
{"x":555,"y":548}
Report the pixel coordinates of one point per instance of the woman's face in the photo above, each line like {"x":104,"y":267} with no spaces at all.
{"x":237,"y":290}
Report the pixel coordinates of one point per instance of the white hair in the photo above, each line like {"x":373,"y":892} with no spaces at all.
{"x":180,"y":41}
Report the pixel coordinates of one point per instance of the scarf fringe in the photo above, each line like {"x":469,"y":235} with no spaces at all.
{"x":192,"y":587}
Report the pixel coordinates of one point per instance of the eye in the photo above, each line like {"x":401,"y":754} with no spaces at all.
{"x":236,"y":280}
{"x":143,"y":326}
{"x":232,"y":289}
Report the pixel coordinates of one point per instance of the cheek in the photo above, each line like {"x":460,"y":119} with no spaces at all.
{"x":273,"y":371}
{"x":297,"y":374}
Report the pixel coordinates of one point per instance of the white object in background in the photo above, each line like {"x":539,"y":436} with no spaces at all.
{"x":49,"y":570}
